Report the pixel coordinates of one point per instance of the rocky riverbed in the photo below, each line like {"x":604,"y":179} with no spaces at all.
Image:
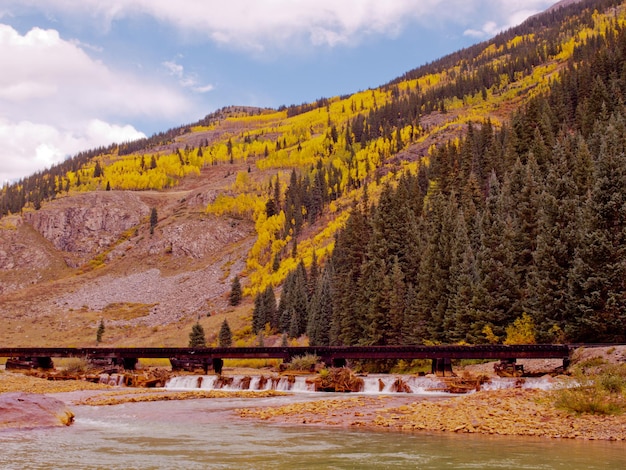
{"x":518,"y":412}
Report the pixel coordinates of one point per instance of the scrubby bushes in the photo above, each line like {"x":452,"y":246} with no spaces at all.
{"x":598,"y":392}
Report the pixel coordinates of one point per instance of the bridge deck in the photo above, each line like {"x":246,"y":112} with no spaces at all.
{"x":527,"y":351}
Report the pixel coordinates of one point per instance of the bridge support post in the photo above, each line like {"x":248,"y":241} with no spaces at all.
{"x":218,"y":364}
{"x":339,"y":362}
{"x":566,"y":363}
{"x":442,"y":365}
{"x":44,"y":362}
{"x":129,"y":363}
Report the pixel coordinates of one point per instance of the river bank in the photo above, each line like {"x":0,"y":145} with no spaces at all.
{"x":515,"y":412}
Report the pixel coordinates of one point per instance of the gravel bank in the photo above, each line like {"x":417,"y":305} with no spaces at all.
{"x":517,"y":412}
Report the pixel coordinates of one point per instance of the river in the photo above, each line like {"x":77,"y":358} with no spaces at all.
{"x":205,"y":434}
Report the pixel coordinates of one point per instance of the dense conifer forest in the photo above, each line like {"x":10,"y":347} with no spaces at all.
{"x":517,"y":228}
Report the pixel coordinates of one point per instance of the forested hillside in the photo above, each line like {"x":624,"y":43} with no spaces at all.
{"x":479,"y":198}
{"x":512,"y":233}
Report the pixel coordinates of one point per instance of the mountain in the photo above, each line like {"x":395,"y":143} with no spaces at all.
{"x":476,"y":198}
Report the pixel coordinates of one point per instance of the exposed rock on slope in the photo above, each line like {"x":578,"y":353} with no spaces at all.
{"x":85,"y":224}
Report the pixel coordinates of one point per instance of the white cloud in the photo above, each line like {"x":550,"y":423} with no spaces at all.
{"x":28,"y":147}
{"x":257,"y":25}
{"x":55,"y":100}
{"x":184,"y":79}
{"x":506,"y":14}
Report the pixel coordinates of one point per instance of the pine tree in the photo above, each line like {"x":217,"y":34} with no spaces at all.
{"x":154,"y":219}
{"x":298,"y":305}
{"x":100,"y":331}
{"x":97,"y":171}
{"x":559,"y":219}
{"x":259,"y":315}
{"x":321,"y":310}
{"x":599,"y":268}
{"x":497,"y":294}
{"x":347,"y":259}
{"x":225,"y":338}
{"x":196,"y":337}
{"x":235,"y":296}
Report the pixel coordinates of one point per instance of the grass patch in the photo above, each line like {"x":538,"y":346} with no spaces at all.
{"x":416,"y":366}
{"x":600,"y":393}
{"x":305,"y":362}
{"x":72,"y":365}
{"x":154,"y":362}
{"x":252,"y":363}
{"x":126,"y":311}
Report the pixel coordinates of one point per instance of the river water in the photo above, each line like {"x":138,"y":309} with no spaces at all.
{"x":204,"y":434}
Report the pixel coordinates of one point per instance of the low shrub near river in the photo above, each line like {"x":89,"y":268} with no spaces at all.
{"x":599,"y":389}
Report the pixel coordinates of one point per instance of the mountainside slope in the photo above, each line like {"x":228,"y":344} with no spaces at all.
{"x":262,"y":194}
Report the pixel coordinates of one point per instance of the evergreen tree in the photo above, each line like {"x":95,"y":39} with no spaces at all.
{"x":196,"y":337}
{"x":597,"y":277}
{"x":321,"y":310}
{"x":298,"y":303}
{"x":559,"y":219}
{"x":100,"y":331}
{"x":497,"y":294}
{"x":433,"y":279}
{"x":235,"y":296}
{"x":225,"y":338}
{"x":154,"y":219}
{"x":265,"y":311}
{"x":97,"y":171}
{"x":347,"y":259}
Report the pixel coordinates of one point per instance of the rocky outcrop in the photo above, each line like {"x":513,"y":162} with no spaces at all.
{"x":29,"y":410}
{"x":17,"y":250}
{"x":87,"y":223}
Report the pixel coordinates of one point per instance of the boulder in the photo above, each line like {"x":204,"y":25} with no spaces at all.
{"x":29,"y":410}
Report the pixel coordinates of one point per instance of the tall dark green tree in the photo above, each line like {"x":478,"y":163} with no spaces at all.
{"x":225,"y":337}
{"x":154,"y":219}
{"x":321,"y":309}
{"x":196,"y":336}
{"x":497,"y":294}
{"x":599,"y":269}
{"x":347,"y":259}
{"x":265,"y":310}
{"x":235,"y":296}
{"x":100,"y":331}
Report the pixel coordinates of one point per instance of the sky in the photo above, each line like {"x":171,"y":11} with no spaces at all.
{"x":79,"y":74}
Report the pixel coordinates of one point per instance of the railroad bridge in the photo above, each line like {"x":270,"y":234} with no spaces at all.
{"x":337,"y":356}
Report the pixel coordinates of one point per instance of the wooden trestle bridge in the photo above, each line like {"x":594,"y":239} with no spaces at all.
{"x":336,"y":356}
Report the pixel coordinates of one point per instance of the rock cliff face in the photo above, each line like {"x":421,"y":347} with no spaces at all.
{"x":85,"y":224}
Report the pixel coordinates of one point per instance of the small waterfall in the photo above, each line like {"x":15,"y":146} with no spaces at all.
{"x":288,"y":383}
{"x":500,"y":383}
{"x":372,"y":384}
{"x":115,"y":380}
{"x":385,"y":384}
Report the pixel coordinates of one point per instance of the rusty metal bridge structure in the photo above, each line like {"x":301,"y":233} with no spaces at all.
{"x":336,"y":356}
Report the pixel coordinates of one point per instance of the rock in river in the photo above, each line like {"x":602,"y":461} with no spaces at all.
{"x":30,"y":410}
